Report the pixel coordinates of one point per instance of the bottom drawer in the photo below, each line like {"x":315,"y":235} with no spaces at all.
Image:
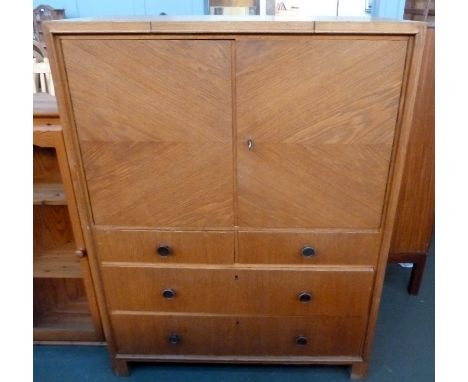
{"x":244,"y":335}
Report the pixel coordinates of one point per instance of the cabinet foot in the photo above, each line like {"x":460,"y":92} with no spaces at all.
{"x":416,"y":275}
{"x":359,"y":370}
{"x":121,"y":368}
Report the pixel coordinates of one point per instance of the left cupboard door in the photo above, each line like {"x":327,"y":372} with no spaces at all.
{"x":154,"y":125}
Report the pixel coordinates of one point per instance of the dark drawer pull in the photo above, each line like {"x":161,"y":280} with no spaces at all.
{"x":174,"y":339}
{"x":164,"y":250}
{"x":308,"y":251}
{"x":169,"y":293}
{"x":301,"y":340}
{"x":304,"y":297}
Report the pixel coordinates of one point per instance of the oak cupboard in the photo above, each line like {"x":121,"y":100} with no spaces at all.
{"x":237,"y":180}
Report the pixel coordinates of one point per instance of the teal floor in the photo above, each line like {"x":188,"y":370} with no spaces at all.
{"x":403,"y":349}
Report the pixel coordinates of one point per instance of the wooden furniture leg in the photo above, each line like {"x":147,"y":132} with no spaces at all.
{"x":121,"y":368}
{"x":419,"y":262}
{"x":359,"y":370}
{"x":416,"y":275}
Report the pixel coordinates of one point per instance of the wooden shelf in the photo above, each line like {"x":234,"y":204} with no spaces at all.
{"x":57,"y":263}
{"x":49,"y":194}
{"x":71,"y":322}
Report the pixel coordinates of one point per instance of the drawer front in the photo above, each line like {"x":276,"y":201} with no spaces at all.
{"x":238,"y":335}
{"x":268,"y":291}
{"x":309,"y":248}
{"x":165,"y":247}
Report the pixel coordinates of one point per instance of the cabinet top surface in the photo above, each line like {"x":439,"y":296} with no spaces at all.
{"x":234,"y":25}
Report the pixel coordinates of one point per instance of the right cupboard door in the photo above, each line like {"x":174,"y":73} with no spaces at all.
{"x":316,"y":122}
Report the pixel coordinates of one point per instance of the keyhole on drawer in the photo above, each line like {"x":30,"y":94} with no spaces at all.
{"x":236,"y":277}
{"x":237,"y":322}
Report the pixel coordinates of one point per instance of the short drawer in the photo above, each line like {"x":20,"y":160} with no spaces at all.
{"x":165,"y":247}
{"x":238,"y":335}
{"x":235,"y":290}
{"x":308,"y":248}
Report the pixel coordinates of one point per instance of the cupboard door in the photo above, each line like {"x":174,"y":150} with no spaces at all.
{"x":154,"y":124}
{"x":315,"y":128}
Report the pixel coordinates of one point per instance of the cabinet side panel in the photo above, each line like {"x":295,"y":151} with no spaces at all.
{"x":415,"y":215}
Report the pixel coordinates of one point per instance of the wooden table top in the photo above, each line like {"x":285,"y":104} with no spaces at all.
{"x":44,"y":105}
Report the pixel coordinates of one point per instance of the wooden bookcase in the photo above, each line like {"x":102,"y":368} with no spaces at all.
{"x":65,"y":307}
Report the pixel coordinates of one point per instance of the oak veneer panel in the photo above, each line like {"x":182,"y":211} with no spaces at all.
{"x":186,"y":247}
{"x":330,"y":248}
{"x":238,"y":291}
{"x":228,"y":24}
{"x":238,"y":335}
{"x":45,"y":165}
{"x":53,"y":294}
{"x":52,"y":228}
{"x":49,"y":193}
{"x":322,"y":114}
{"x":58,"y":263}
{"x":157,"y":143}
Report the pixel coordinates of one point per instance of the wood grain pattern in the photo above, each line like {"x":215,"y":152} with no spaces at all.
{"x":186,"y":247}
{"x":322,"y":116}
{"x":163,"y":150}
{"x":45,"y":165}
{"x":68,"y":321}
{"x":57,"y":263}
{"x":330,"y":248}
{"x":61,"y":311}
{"x":238,"y":290}
{"x":89,"y":25}
{"x":415,"y":214}
{"x":238,"y":335}
{"x":52,"y":227}
{"x":49,"y":193}
{"x":229,"y":24}
{"x":340,"y":25}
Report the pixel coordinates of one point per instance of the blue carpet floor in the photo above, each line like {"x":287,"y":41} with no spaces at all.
{"x":403,"y":349}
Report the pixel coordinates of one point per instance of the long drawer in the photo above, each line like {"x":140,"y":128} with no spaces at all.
{"x":165,"y":247}
{"x":239,"y":290}
{"x":238,"y":335}
{"x":308,"y":248}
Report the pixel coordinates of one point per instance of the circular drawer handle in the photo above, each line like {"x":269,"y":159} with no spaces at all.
{"x":168,"y":293}
{"x":174,"y":339}
{"x":301,"y":340}
{"x":164,"y":250}
{"x":304,"y":297}
{"x":308,"y":251}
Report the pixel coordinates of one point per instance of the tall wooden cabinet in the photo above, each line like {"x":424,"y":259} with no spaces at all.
{"x":237,"y":181}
